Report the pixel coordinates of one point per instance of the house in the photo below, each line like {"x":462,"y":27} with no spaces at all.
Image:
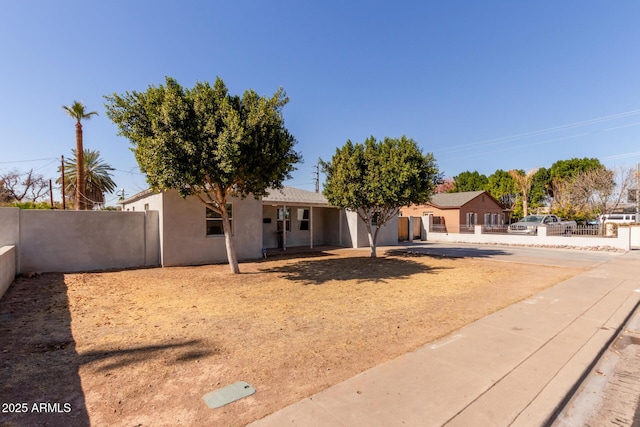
{"x":455,"y":212}
{"x":191,"y":234}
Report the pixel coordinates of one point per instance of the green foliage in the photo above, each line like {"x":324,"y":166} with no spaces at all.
{"x":469,"y":181}
{"x":501,"y":186}
{"x":204,"y":139}
{"x":77,"y":111}
{"x":97,"y":177}
{"x":563,"y":169}
{"x":29,"y":205}
{"x":377,"y":178}
{"x":540,"y":188}
{"x":206,"y":142}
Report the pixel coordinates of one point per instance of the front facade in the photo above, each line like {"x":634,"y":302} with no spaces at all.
{"x":455,"y":212}
{"x":191,"y":234}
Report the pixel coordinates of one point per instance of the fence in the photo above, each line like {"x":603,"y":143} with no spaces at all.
{"x":624,"y":238}
{"x":66,"y":241}
{"x":7,"y":267}
{"x":580,"y":230}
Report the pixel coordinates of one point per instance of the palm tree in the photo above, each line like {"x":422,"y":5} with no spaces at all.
{"x":77,"y":111}
{"x":97,"y":178}
{"x":523,"y":183}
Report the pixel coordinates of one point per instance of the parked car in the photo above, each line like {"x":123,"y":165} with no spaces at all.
{"x":530,"y":223}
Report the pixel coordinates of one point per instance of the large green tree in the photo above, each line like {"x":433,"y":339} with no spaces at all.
{"x":97,"y":176}
{"x":377,"y":178}
{"x":469,"y":181}
{"x":78,"y":112}
{"x":207,"y":143}
{"x":564,"y":169}
{"x":501,"y":186}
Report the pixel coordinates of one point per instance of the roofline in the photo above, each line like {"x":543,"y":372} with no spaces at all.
{"x":138,"y":196}
{"x":148,"y":192}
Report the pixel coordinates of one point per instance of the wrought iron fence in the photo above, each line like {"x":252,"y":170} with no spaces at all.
{"x":495,"y":229}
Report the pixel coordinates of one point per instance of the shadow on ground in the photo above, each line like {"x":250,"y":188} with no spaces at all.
{"x":39,"y":364}
{"x":440,"y":252}
{"x":361,"y":269}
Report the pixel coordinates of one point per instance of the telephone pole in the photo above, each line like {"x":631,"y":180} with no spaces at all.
{"x":637,"y":193}
{"x":316,"y":174}
{"x":64,"y":202}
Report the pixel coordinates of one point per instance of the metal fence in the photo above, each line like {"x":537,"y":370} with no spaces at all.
{"x":581,"y":230}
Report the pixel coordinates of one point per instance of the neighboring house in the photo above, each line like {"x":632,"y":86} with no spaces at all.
{"x":455,"y":212}
{"x":191,"y":234}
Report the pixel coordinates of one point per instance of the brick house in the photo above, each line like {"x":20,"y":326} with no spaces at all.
{"x":459,"y":212}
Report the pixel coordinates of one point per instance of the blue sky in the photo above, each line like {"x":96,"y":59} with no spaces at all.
{"x":483,"y":85}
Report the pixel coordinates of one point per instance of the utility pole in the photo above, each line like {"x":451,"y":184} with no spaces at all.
{"x":51,"y":193}
{"x":637,"y":193}
{"x":64,"y":201}
{"x":316,"y":174}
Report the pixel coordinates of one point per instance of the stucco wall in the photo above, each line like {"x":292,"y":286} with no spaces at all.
{"x":357,"y":232}
{"x":10,"y":230}
{"x":59,"y":241}
{"x":9,"y":226}
{"x":7,"y":267}
{"x":184,"y":239}
{"x":153,"y":203}
{"x":327,"y":226}
{"x":324,"y":222}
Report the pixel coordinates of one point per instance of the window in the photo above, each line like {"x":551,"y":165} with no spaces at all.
{"x":303,"y":217}
{"x":471,"y":218}
{"x":284,"y":218}
{"x":374,"y":219}
{"x":146,"y":206}
{"x":214,"y":221}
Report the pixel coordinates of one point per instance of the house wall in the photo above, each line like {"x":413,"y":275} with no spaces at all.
{"x":481,"y":205}
{"x":152,"y":202}
{"x":184,"y":239}
{"x":62,"y":241}
{"x":357,"y":235}
{"x":455,"y":217}
{"x":324,"y":222}
{"x":451,"y":216}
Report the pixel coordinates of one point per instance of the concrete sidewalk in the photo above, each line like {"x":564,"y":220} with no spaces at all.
{"x":515,"y":367}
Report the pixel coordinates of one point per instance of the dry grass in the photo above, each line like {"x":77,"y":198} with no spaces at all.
{"x":141,"y":347}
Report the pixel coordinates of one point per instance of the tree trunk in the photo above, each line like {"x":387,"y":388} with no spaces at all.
{"x":80,"y":202}
{"x":372,"y":240}
{"x":228,"y":240}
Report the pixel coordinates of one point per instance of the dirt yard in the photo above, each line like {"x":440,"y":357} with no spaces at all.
{"x":141,"y":347}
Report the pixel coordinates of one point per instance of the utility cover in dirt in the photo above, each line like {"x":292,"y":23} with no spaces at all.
{"x":228,"y":394}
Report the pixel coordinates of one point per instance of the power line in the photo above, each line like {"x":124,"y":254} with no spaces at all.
{"x":545,"y":131}
{"x":26,"y":161}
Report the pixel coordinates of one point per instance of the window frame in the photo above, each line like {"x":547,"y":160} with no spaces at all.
{"x":216,"y":217}
{"x":305,"y":223}
{"x":282,"y":216}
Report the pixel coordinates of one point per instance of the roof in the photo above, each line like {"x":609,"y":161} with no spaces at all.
{"x":137,"y":196}
{"x":285,"y":195}
{"x":291,"y":195}
{"x":455,"y":200}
